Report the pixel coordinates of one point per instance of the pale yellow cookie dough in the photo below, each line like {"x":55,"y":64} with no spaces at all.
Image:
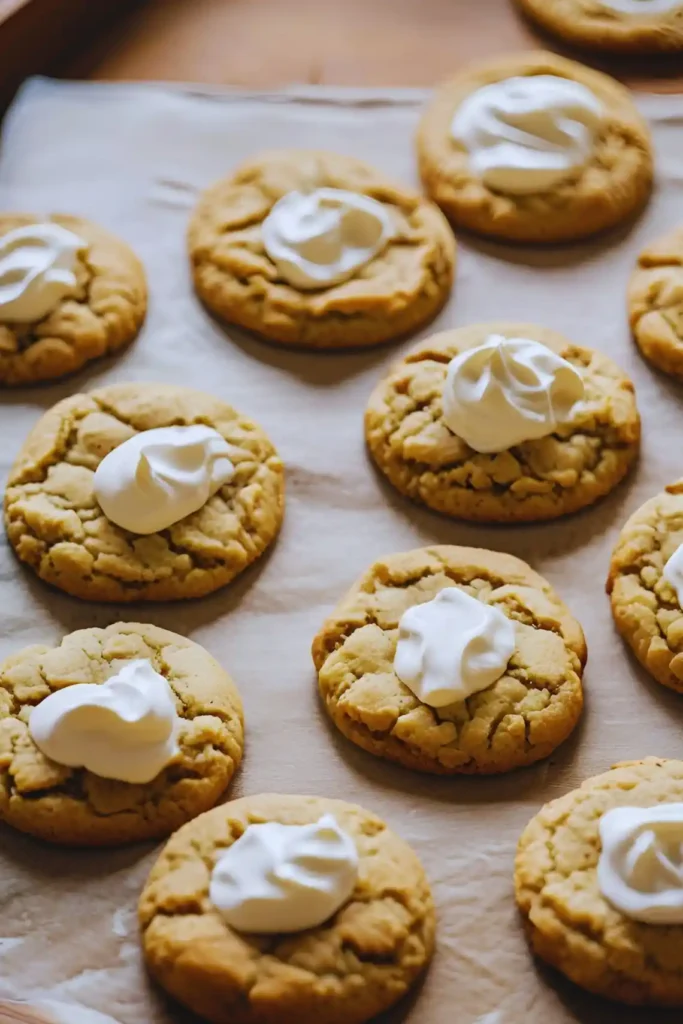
{"x":57,"y":528}
{"x":613,"y":187}
{"x":352,"y":967}
{"x":399,"y":290}
{"x":75,"y":807}
{"x":655,"y":303}
{"x":102,"y":318}
{"x":520,"y":719}
{"x":536,"y":480}
{"x":568,"y":921}
{"x":646,"y":609}
{"x":602,"y":26}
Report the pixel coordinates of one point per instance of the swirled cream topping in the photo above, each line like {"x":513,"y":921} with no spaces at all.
{"x":640,"y":870}
{"x":160,"y":476}
{"x":452,"y":647}
{"x":528,"y":134}
{"x":322,"y":238}
{"x":37,"y":270}
{"x":509,"y":390}
{"x":123,"y":729}
{"x":285,"y":878}
{"x":642,"y":7}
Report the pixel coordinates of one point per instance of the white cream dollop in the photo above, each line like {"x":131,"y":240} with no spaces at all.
{"x":160,"y":476}
{"x":123,"y":729}
{"x":642,"y":7}
{"x":37,"y":271}
{"x":452,"y":647}
{"x":529,"y":133}
{"x":509,"y":390}
{"x":673,"y":572}
{"x":321,"y":238}
{"x":285,"y":878}
{"x":640,"y":870}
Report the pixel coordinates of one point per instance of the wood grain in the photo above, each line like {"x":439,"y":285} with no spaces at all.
{"x":267,"y":43}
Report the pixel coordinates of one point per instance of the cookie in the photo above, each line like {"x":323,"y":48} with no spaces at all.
{"x":556,"y":159}
{"x":570,"y":923}
{"x":626,"y":26}
{"x":63,"y":305}
{"x":646,"y":587}
{"x":77,"y":807}
{"x":56,"y":525}
{"x":286,"y":296}
{"x":538,"y":479}
{"x":345,"y":971}
{"x":520,"y":718}
{"x":655,"y":302}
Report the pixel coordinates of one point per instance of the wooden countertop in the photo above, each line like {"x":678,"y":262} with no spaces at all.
{"x":265,"y":43}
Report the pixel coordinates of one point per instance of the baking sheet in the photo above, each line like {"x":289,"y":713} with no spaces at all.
{"x":134,"y":157}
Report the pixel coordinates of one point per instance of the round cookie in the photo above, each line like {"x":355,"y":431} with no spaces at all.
{"x":645,"y":607}
{"x":627,"y":26}
{"x":536,"y":480}
{"x":354,"y":966}
{"x":75,"y":807}
{"x":569,"y":923}
{"x":520,"y":719}
{"x":655,"y":302}
{"x":56,"y":526}
{"x":398,"y":291}
{"x":612,"y":187}
{"x":103,"y":317}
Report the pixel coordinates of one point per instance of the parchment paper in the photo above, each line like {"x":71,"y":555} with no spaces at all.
{"x":133,"y":157}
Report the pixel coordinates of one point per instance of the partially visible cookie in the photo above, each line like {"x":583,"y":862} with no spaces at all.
{"x":76,"y":807}
{"x":57,"y":527}
{"x":570,"y":922}
{"x":535,"y":148}
{"x":520,"y":718}
{"x":259,"y":240}
{"x":627,"y":26}
{"x":573,"y":466}
{"x":70,"y":292}
{"x":345,"y":971}
{"x":645,"y":585}
{"x":655,"y":302}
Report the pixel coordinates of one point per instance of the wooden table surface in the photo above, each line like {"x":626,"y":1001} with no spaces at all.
{"x":264,"y":43}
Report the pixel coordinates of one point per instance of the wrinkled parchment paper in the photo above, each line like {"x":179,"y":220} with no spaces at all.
{"x":134,"y":158}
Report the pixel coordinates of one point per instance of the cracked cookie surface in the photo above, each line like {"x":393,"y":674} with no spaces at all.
{"x":655,"y":301}
{"x":644,"y":605}
{"x":56,"y":526}
{"x":568,"y":921}
{"x":592,"y":23}
{"x":102,"y":318}
{"x":403,"y":287}
{"x":611,"y":188}
{"x":536,"y":480}
{"x":521,"y":718}
{"x":75,"y":807}
{"x":360,"y":962}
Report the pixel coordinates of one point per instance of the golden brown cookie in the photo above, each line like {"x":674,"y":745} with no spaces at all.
{"x":56,"y":526}
{"x":399,"y":290}
{"x":74,"y":806}
{"x":520,"y":719}
{"x":627,"y":26}
{"x":646,"y":610}
{"x":569,"y":922}
{"x":102,"y":318}
{"x":536,"y":480}
{"x":357,"y":964}
{"x":612,"y":187}
{"x":655,"y":302}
